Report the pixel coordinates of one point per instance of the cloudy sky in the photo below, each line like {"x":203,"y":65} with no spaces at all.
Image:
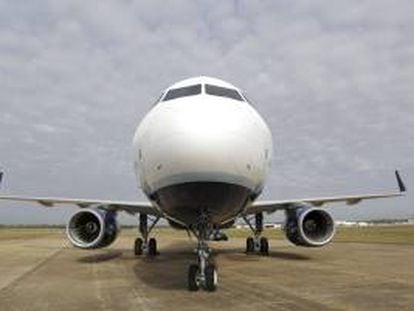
{"x":334,"y":80}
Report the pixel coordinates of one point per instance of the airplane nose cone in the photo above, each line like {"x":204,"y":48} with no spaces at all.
{"x":209,"y":140}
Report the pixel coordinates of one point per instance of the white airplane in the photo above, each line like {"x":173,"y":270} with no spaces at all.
{"x":202,"y":154}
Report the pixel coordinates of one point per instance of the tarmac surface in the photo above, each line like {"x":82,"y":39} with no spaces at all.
{"x":46,"y":273}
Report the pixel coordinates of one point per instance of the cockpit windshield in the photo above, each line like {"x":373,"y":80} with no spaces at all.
{"x":223,"y":92}
{"x":183,"y":92}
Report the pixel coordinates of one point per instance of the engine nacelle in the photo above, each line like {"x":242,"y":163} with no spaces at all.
{"x":307,"y":226}
{"x":92,"y":228}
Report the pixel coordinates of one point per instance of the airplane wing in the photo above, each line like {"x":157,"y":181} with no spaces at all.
{"x":130,"y":207}
{"x":272,"y":206}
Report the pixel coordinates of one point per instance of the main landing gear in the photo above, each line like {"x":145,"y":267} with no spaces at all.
{"x":204,"y":273}
{"x":257,"y":243}
{"x":145,"y":245}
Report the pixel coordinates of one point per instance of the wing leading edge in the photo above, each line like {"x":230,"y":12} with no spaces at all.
{"x":272,"y":206}
{"x":126,"y":206}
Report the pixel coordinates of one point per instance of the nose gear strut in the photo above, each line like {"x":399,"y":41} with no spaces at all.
{"x":204,"y":273}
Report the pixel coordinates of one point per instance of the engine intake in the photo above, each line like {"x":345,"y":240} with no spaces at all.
{"x":311,"y":227}
{"x":92,"y":228}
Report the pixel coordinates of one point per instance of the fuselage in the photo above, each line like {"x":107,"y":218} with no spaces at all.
{"x":202,"y":151}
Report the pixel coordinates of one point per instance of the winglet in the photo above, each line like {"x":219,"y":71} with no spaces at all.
{"x":1,"y":177}
{"x":400,"y":182}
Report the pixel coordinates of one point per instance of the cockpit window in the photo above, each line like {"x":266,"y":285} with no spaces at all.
{"x":183,"y":92}
{"x":223,"y":92}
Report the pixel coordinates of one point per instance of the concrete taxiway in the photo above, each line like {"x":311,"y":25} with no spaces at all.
{"x":46,"y":273}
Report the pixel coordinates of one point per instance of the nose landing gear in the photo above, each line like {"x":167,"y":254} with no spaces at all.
{"x":204,"y":273}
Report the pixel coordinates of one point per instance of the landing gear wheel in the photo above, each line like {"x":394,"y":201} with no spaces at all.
{"x":249,"y":245}
{"x":210,"y":278}
{"x":264,"y":246}
{"x":138,"y":246}
{"x":152,"y":247}
{"x":193,"y":284}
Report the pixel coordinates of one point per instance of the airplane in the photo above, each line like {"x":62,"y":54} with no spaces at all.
{"x":202,"y":154}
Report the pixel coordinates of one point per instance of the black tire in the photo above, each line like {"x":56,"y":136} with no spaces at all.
{"x":249,"y":245}
{"x":152,"y":247}
{"x":264,"y":246}
{"x":192,"y":278}
{"x":211,"y":278}
{"x":138,"y":246}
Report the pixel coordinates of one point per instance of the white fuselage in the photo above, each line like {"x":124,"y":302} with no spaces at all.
{"x":202,"y":140}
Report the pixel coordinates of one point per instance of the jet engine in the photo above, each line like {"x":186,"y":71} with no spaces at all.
{"x":307,"y":226}
{"x":92,"y":228}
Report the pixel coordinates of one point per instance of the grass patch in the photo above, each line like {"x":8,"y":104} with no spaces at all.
{"x":398,"y":234}
{"x":403,"y":234}
{"x":27,"y":233}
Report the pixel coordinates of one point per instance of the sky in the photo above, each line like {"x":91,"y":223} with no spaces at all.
{"x":333,"y":79}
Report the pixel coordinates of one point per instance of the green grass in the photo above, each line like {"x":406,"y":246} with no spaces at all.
{"x":397,"y":234}
{"x":27,"y":233}
{"x":403,"y":234}
{"x":394,"y":234}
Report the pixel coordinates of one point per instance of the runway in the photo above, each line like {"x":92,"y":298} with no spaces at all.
{"x":45,"y":273}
